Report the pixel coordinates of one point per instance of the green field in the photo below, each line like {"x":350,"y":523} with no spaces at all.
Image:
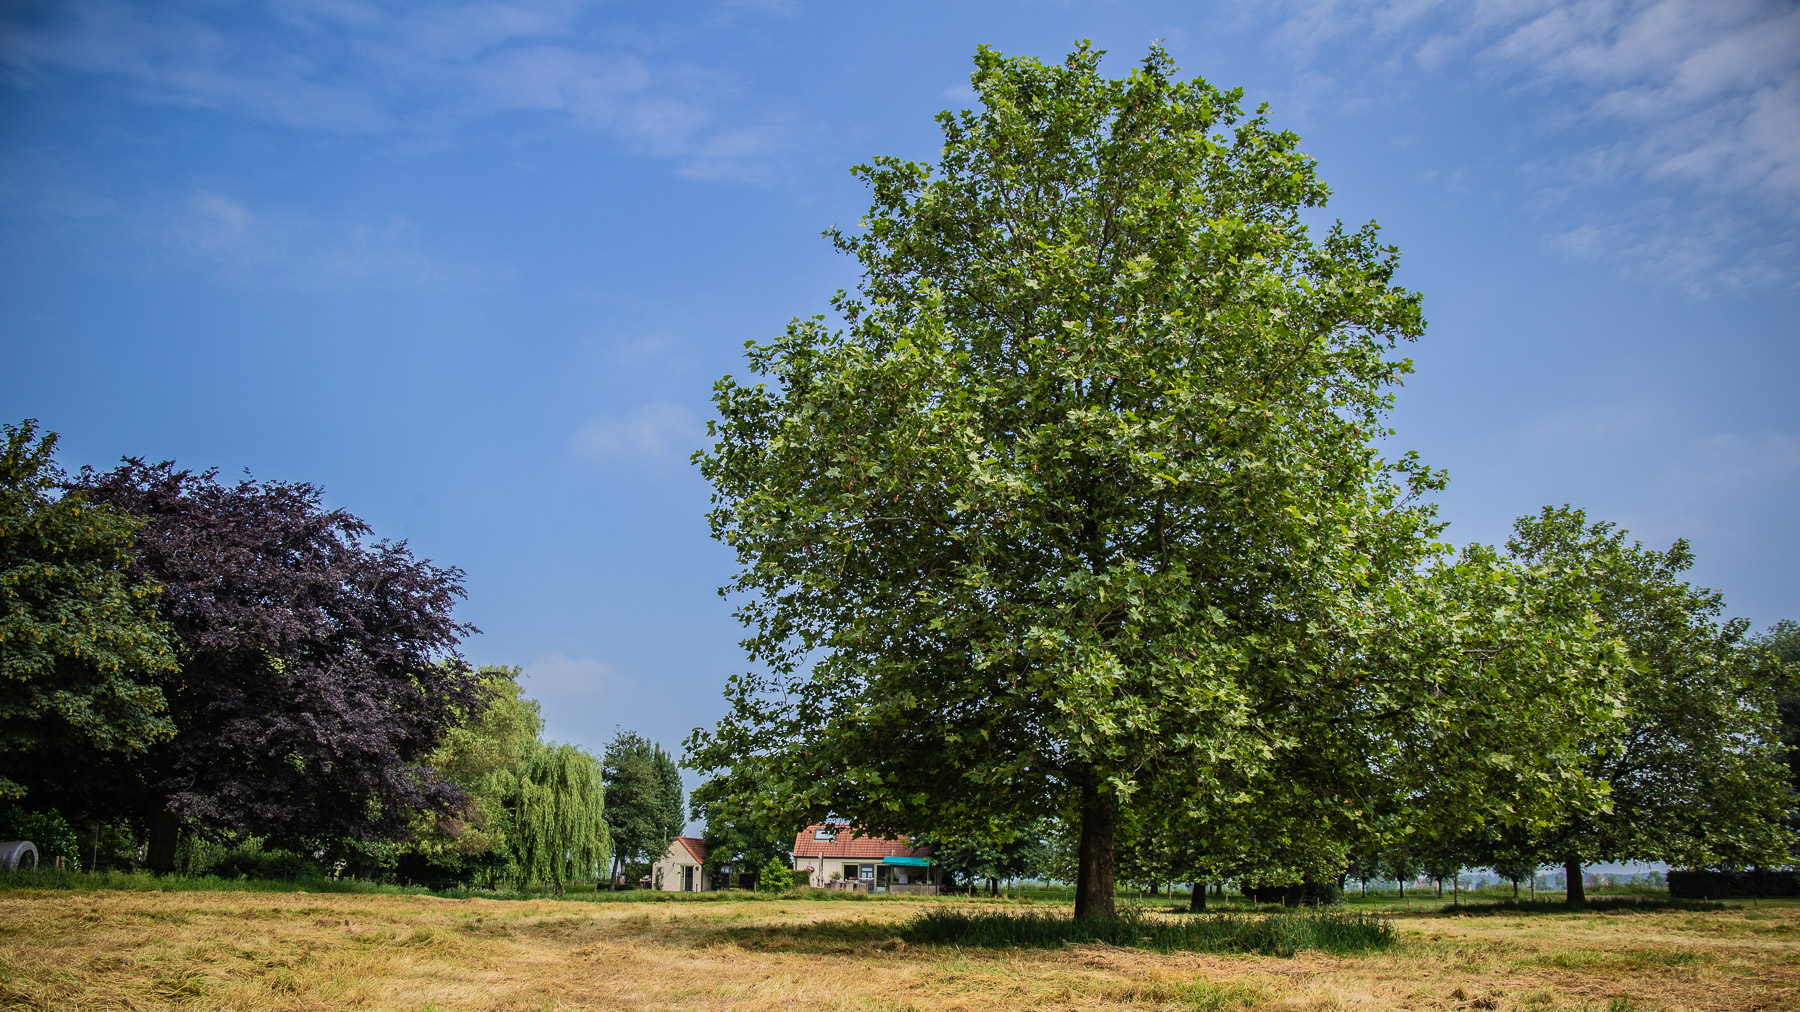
{"x":279,"y":946}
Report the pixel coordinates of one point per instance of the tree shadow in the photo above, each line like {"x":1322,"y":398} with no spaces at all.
{"x":833,"y":937}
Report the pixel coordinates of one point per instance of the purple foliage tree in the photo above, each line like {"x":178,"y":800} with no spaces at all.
{"x":317,"y":665}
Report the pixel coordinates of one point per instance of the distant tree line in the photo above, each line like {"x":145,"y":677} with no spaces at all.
{"x":199,"y":675}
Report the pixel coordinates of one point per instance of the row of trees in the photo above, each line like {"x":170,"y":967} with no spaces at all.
{"x":238,"y":662}
{"x":1084,"y":517}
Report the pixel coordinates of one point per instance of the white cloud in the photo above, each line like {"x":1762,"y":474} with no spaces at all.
{"x":1734,"y":466}
{"x":778,"y":8}
{"x":415,"y":77}
{"x":658,"y":431}
{"x":1593,"y":424}
{"x":1693,"y":101}
{"x":584,"y":701}
{"x":644,"y":348}
{"x":562,"y":677}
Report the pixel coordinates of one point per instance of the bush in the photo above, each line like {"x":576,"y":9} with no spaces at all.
{"x":247,"y":859}
{"x":1270,"y":934}
{"x":1300,"y":894}
{"x":776,"y":876}
{"x":47,"y":830}
{"x":1719,"y":885}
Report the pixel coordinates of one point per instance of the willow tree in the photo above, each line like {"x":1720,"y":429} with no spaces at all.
{"x":1084,"y":489}
{"x":559,"y":817}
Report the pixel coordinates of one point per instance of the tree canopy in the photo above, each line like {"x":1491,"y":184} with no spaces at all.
{"x":644,"y":807}
{"x":317,"y":668}
{"x":1084,"y":498}
{"x":1698,"y":774}
{"x":81,"y":646}
{"x":559,"y":817}
{"x":738,"y":832}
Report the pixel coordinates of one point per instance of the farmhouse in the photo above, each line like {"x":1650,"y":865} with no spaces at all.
{"x":838,"y":858}
{"x":681,"y":869}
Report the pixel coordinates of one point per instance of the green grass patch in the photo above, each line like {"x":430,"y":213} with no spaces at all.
{"x":1270,"y":934}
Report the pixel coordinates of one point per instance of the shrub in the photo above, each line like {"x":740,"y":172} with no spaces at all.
{"x":775,"y":876}
{"x":47,"y":830}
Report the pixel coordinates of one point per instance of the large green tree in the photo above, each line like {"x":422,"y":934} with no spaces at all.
{"x":81,"y":645}
{"x":1698,"y":775}
{"x":485,"y":754}
{"x":644,"y":807}
{"x":739,"y":834}
{"x":1085,"y":495}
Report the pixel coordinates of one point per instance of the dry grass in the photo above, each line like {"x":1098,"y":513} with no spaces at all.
{"x":254,"y":952}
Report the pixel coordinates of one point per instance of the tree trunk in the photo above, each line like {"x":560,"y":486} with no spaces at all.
{"x":1577,"y":888}
{"x":1515,"y":890}
{"x":1094,"y":859}
{"x":1197,"y":899}
{"x":1153,"y":888}
{"x":160,"y":854}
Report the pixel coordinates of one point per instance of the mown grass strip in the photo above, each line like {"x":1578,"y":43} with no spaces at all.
{"x":1268,"y":934}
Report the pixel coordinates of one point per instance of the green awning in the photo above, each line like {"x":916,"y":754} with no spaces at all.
{"x":910,"y":862}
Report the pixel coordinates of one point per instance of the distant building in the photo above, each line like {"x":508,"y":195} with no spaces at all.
{"x":682,"y":868}
{"x":838,"y":858}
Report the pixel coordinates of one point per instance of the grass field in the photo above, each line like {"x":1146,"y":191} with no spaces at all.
{"x":252,"y":950}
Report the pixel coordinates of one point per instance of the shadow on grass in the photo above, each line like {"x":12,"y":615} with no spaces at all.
{"x":1268,"y":934}
{"x":835,"y":937}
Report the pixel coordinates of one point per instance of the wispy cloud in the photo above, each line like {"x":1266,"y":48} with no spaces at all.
{"x":221,"y":235}
{"x":420,"y":75}
{"x":778,"y":8}
{"x":584,"y":699}
{"x":1694,"y":102}
{"x":660,"y":431}
{"x":227,"y":239}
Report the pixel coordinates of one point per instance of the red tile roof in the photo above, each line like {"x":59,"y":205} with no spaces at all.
{"x":695,"y":846}
{"x":849,"y":845}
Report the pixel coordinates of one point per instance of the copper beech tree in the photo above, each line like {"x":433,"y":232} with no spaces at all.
{"x":315,"y":669}
{"x":1083,"y":499}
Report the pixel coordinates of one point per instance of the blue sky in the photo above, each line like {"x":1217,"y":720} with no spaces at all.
{"x":474,"y":266}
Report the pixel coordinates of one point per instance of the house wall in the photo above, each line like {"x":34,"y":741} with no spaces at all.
{"x":667,"y":875}
{"x":826,"y":870}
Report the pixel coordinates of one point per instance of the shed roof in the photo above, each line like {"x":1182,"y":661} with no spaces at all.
{"x":694,"y":845}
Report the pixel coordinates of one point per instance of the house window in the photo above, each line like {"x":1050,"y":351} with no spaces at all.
{"x":851,"y":871}
{"x":866,"y":873}
{"x":823,"y":833}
